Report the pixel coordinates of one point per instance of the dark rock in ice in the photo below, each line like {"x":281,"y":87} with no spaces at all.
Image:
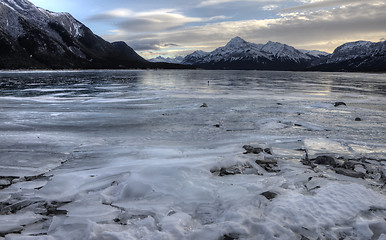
{"x":230,"y":171}
{"x":217,"y":125}
{"x":172,"y":212}
{"x":245,"y":168}
{"x":349,"y":173}
{"x":269,"y":165}
{"x":336,"y":104}
{"x":356,"y":168}
{"x":204,"y":105}
{"x":269,"y":195}
{"x":254,"y":150}
{"x":230,"y":236}
{"x":279,"y":104}
{"x":52,"y":208}
{"x":325,"y":160}
{"x":358,"y":119}
{"x":268,"y":150}
{"x":6,"y":181}
{"x":266,"y":161}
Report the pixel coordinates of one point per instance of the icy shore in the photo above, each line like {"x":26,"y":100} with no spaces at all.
{"x":137,"y":155}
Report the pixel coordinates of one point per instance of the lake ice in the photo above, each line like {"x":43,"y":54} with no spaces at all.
{"x":136,"y":155}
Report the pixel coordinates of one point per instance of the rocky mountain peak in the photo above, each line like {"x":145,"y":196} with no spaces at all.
{"x":32,"y":37}
{"x":236,"y":42}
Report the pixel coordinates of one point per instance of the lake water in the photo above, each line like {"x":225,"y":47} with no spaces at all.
{"x":135,"y":155}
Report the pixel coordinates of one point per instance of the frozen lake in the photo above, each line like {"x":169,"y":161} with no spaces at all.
{"x":138,"y":155}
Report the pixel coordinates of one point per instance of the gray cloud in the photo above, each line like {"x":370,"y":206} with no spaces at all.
{"x":111,"y":15}
{"x":145,"y":44}
{"x":141,"y":22}
{"x":206,"y":3}
{"x":329,"y":24}
{"x":170,"y":45}
{"x":325,"y":4}
{"x":323,"y":30}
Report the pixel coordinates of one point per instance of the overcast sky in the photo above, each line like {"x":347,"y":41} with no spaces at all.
{"x":179,"y":27}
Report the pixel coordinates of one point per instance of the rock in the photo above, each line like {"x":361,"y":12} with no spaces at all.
{"x":358,"y":119}
{"x":269,"y":165}
{"x":217,"y":125}
{"x":267,"y":150}
{"x":269,"y":195}
{"x":336,"y":104}
{"x":250,"y":149}
{"x":349,"y":173}
{"x":325,"y":160}
{"x":172,"y":212}
{"x":204,"y":105}
{"x":7,"y":181}
{"x":266,"y":161}
{"x":230,"y":171}
{"x":244,"y":168}
{"x":230,"y":236}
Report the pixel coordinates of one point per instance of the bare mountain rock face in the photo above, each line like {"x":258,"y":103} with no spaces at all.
{"x":31,"y":37}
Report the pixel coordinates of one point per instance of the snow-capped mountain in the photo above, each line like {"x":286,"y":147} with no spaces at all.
{"x":315,"y":53}
{"x":194,"y":57}
{"x":160,"y":59}
{"x":355,"y":56}
{"x":33,"y":37}
{"x":240,"y":54}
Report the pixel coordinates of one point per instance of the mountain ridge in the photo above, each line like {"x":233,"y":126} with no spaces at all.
{"x":35,"y":38}
{"x":240,"y":54}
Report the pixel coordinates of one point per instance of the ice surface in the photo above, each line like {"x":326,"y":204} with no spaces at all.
{"x":131,"y":155}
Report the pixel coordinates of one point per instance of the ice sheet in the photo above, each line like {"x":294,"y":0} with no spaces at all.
{"x":136,"y":155}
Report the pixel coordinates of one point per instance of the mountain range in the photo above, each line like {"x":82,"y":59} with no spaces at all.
{"x":240,"y":54}
{"x":176,"y":60}
{"x":35,"y":38}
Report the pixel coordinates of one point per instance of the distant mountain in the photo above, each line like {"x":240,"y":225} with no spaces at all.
{"x":31,"y":37}
{"x":176,"y":60}
{"x":240,"y":54}
{"x":355,"y":56}
{"x":194,"y":57}
{"x":315,"y":53}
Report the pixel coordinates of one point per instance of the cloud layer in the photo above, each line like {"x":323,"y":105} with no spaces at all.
{"x":310,"y":24}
